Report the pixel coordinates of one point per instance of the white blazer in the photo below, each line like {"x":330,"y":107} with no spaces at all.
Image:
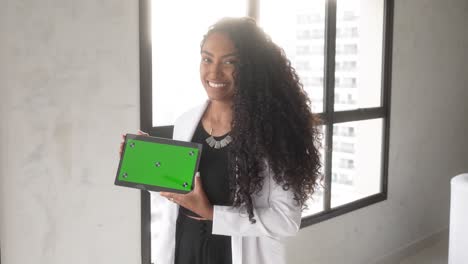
{"x":275,"y":212}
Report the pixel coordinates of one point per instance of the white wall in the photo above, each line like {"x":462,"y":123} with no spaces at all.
{"x":69,"y":87}
{"x":428,"y":144}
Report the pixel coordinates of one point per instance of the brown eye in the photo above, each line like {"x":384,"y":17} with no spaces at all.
{"x":229,"y":62}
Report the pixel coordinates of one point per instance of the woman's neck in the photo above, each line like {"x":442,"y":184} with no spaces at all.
{"x":218,"y":117}
{"x":219,"y":111}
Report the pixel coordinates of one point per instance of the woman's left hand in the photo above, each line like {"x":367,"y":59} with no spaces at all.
{"x":195,"y":201}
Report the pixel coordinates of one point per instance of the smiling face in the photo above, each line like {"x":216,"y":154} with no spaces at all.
{"x":217,"y":66}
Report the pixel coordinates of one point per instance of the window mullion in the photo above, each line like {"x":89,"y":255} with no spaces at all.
{"x":359,"y":114}
{"x":386,"y":84}
{"x":146,"y":117}
{"x":253,"y":7}
{"x":145,"y":48}
{"x":387,"y":53}
{"x":329,"y":94}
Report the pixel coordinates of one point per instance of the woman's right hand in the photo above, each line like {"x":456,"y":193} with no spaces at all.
{"x":123,"y":140}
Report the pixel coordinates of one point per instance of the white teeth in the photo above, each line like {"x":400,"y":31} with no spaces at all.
{"x":216,"y":85}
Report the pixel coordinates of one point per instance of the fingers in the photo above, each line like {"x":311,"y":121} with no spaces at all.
{"x":180,"y":199}
{"x":173,"y":197}
{"x":142,"y":133}
{"x":197,"y":181}
{"x":121,"y":144}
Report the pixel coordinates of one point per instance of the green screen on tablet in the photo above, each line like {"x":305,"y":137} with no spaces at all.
{"x":158,"y":164}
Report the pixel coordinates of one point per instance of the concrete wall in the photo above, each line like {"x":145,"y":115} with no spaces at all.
{"x":69,"y":87}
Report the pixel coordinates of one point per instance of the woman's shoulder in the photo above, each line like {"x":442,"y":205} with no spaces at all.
{"x":191,"y":114}
{"x":186,"y":123}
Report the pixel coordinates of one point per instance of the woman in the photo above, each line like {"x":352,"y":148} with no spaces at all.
{"x":260,"y":161}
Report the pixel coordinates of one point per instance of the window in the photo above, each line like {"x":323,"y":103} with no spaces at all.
{"x":346,"y":66}
{"x":340,"y":49}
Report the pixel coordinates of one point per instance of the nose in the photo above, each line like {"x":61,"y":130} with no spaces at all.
{"x":215,"y":70}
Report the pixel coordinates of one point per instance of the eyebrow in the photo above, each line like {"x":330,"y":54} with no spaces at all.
{"x":224,"y":56}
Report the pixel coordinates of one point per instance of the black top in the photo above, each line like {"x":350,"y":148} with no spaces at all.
{"x":213,"y":170}
{"x":195,"y":243}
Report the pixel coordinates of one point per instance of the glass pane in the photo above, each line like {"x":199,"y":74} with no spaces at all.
{"x":358,"y":61}
{"x":356,"y":160}
{"x":176,"y":35}
{"x":300,"y":32}
{"x":315,"y":204}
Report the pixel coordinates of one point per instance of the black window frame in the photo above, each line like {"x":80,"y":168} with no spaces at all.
{"x":329,"y":116}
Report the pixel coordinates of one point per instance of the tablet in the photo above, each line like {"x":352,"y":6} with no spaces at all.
{"x":158,"y":164}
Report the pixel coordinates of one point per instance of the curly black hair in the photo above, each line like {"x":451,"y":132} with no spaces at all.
{"x":272,"y":120}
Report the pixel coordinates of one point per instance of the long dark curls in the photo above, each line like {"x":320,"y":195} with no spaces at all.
{"x":272,"y":121}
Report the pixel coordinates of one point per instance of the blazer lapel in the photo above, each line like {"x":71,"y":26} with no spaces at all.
{"x":185,"y":129}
